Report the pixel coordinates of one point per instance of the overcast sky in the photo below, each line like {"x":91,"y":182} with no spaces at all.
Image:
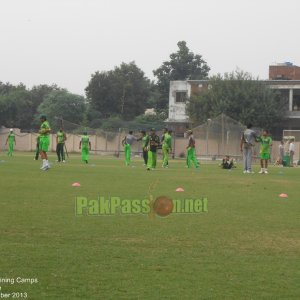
{"x":65,"y":41}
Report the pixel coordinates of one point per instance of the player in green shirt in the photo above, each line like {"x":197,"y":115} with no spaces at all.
{"x":85,"y":146}
{"x":11,"y":140}
{"x":44,"y":133}
{"x":265,"y":151}
{"x":144,"y":138}
{"x":60,"y":143}
{"x":167,"y":148}
{"x":191,"y":151}
{"x":152,"y":144}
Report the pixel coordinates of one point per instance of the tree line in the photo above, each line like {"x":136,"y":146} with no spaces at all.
{"x":120,"y":96}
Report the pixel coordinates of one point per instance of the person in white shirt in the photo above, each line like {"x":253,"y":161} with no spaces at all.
{"x":291,"y":151}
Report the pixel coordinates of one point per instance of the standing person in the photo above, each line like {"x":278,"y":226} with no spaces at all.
{"x":165,"y":130}
{"x":247,"y":142}
{"x":11,"y":140}
{"x":44,"y":133}
{"x":152,"y":144}
{"x":291,"y":151}
{"x":60,"y":144}
{"x":281,"y":153}
{"x":191,"y":151}
{"x":37,"y":149}
{"x":144,"y":138}
{"x":265,"y":151}
{"x":167,"y":148}
{"x":85,"y":146}
{"x":127,"y":142}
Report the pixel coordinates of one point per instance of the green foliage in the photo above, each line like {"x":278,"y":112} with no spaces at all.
{"x":64,"y":105}
{"x":239,"y":96}
{"x":123,"y":91}
{"x":182,"y":65}
{"x":16,"y":107}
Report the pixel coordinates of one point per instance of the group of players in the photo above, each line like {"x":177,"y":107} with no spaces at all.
{"x":250,"y":137}
{"x":151,"y":142}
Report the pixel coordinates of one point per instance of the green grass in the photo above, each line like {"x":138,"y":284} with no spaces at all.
{"x":246,"y":247}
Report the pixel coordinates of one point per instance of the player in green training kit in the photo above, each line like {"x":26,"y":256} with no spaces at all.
{"x":191,"y":152}
{"x":265,"y":150}
{"x":11,"y":140}
{"x":144,"y":138}
{"x":85,"y":146}
{"x":60,"y":144}
{"x":167,"y":148}
{"x":152,"y":144}
{"x":44,"y":133}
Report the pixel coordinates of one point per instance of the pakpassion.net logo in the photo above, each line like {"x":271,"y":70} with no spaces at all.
{"x":161,"y":206}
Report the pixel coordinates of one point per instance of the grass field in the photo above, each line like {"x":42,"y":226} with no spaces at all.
{"x":247,"y":246}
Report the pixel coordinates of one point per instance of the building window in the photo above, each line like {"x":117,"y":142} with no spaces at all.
{"x":296,"y":103}
{"x":181,"y":97}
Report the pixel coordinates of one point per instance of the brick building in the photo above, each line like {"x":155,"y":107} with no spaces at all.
{"x":284,"y":71}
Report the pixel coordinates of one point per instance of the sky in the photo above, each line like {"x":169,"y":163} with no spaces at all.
{"x":64,"y":42}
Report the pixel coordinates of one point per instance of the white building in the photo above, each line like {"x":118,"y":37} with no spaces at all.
{"x":181,"y":91}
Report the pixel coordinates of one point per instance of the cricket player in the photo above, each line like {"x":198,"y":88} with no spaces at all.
{"x":85,"y":146}
{"x":281,"y":153}
{"x":152,"y":144}
{"x":291,"y":151}
{"x":11,"y":140}
{"x":144,"y":138}
{"x":44,"y":133}
{"x":247,"y":142}
{"x":265,"y":150}
{"x":60,"y":144}
{"x":165,"y":130}
{"x":127,"y":142}
{"x":227,"y":163}
{"x":167,"y":148}
{"x":191,"y":151}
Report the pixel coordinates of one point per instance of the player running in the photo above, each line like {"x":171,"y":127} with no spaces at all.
{"x":85,"y":146}
{"x":167,"y":148}
{"x":152,"y":144}
{"x":191,"y":151}
{"x":44,"y":133}
{"x":265,"y":150}
{"x":11,"y":140}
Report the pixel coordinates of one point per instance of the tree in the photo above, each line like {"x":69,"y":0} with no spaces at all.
{"x":121,"y":92}
{"x":15,"y":107}
{"x":182,"y":65}
{"x":18,"y":105}
{"x":39,"y":92}
{"x":65,"y":105}
{"x":239,"y":96}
